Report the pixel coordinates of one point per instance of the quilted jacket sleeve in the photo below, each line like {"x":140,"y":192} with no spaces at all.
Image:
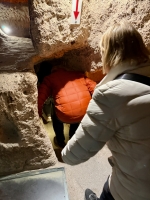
{"x":90,"y":84}
{"x":95,"y":129}
{"x":44,"y":91}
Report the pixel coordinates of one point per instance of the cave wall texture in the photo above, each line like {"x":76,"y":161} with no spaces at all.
{"x":42,"y":31}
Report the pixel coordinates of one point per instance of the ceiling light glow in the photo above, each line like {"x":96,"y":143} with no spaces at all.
{"x":6,"y":29}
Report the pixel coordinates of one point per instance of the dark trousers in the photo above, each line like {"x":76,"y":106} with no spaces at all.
{"x":106,"y":195}
{"x":58,"y":127}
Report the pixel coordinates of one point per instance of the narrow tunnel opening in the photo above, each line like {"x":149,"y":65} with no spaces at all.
{"x":42,"y":70}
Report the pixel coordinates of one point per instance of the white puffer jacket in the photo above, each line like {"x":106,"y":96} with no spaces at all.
{"x":119,"y":115}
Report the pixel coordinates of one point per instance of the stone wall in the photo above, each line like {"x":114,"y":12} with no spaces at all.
{"x":53,"y":35}
{"x":24,"y":143}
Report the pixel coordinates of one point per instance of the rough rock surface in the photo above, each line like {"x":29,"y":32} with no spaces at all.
{"x":16,"y":54}
{"x":16,"y":17}
{"x":54,"y":36}
{"x":24,"y":143}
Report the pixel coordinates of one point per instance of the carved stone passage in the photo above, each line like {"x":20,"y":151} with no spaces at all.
{"x":24,"y":143}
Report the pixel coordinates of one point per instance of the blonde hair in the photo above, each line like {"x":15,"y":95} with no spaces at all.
{"x":120,"y":43}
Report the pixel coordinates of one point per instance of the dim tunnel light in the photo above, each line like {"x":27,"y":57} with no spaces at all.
{"x":6,"y":29}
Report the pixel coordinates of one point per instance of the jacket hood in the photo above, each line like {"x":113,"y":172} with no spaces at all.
{"x":143,"y":69}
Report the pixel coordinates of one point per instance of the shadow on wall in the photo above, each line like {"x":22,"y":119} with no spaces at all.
{"x":8,"y":130}
{"x":42,"y":69}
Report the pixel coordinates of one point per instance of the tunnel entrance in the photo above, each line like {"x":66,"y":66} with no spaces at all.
{"x":44,"y":69}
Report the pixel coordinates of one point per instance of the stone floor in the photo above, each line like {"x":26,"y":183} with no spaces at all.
{"x":90,"y":174}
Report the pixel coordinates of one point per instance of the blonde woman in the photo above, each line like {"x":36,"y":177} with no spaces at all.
{"x":119,"y":115}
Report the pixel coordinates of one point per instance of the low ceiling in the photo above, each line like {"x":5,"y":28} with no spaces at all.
{"x":14,"y":18}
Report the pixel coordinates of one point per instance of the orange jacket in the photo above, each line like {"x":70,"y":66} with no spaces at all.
{"x":71,"y":92}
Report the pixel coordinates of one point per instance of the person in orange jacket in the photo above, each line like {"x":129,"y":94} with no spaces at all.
{"x":71,"y":92}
